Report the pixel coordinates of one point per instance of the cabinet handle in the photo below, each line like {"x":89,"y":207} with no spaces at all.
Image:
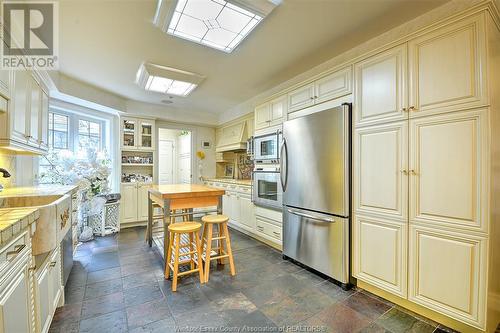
{"x":315,"y":97}
{"x":260,"y":228}
{"x":412,"y":108}
{"x":311,"y":98}
{"x":413,"y":172}
{"x":404,"y":172}
{"x":32,"y":268}
{"x":15,"y":253}
{"x":53,"y":264}
{"x":276,"y":233}
{"x":404,"y":109}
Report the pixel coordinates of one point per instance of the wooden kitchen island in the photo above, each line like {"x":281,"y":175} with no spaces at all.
{"x":176,"y":197}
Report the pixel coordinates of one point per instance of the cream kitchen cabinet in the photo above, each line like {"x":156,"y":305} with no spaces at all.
{"x":446,"y":72}
{"x":6,"y":80}
{"x":271,"y":113}
{"x":128,"y":202}
{"x":48,"y":290}
{"x":138,"y":134}
{"x":134,"y":202}
{"x":247,"y":212}
{"x":25,"y":124}
{"x":331,"y":86}
{"x":447,"y":273}
{"x":380,"y":88}
{"x":15,"y":287}
{"x":376,"y":238}
{"x":423,"y":165}
{"x":380,"y":183}
{"x":448,"y":168}
{"x":448,"y":68}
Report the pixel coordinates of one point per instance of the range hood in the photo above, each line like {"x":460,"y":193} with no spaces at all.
{"x":232,"y":138}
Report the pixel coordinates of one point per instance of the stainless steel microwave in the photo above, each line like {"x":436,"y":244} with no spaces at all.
{"x":266,"y":148}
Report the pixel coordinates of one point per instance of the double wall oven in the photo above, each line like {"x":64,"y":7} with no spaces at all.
{"x":267,"y":190}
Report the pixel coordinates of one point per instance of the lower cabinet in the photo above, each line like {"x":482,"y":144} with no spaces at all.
{"x":134,"y":202}
{"x":48,"y":290}
{"x":379,"y":253}
{"x":15,"y":298}
{"x":447,"y":272}
{"x":264,"y":224}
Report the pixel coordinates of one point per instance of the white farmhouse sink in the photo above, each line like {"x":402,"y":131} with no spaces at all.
{"x":54,"y":221}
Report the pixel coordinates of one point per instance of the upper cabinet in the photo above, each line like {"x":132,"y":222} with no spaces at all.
{"x":270,"y":113}
{"x":138,"y":134}
{"x":24,"y":126}
{"x":446,"y":72}
{"x":448,"y":68}
{"x":6,"y":78}
{"x":380,"y":89}
{"x":332,"y":86}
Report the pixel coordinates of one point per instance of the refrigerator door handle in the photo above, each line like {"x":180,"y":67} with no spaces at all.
{"x":311,"y":216}
{"x":284,"y":165}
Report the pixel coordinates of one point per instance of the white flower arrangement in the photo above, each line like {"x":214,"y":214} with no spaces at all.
{"x":91,"y":174}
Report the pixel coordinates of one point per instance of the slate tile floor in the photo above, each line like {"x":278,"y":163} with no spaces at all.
{"x":117,"y":285}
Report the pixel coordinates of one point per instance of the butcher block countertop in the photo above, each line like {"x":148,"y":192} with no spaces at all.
{"x":41,"y":190}
{"x":14,"y":220}
{"x":178,"y":191}
{"x":244,"y":182}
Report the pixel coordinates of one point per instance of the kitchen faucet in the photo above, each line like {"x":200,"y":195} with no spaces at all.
{"x":5,"y":174}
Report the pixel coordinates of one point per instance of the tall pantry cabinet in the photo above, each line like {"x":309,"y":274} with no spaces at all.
{"x":425,"y":129}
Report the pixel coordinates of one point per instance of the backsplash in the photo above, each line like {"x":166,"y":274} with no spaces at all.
{"x":21,"y":168}
{"x":244,"y":166}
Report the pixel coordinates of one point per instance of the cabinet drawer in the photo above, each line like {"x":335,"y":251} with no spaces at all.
{"x":13,"y":250}
{"x":268,"y":229}
{"x":270,"y":214}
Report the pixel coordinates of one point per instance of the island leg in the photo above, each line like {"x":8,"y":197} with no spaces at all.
{"x":150,"y":220}
{"x":166,"y":222}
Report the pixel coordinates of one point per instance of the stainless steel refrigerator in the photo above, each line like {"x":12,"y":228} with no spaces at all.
{"x":315,"y":176}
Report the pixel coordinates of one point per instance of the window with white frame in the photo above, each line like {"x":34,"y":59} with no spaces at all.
{"x":74,"y":132}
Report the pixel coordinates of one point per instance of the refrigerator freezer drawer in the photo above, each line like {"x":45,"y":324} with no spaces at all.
{"x":318,"y":241}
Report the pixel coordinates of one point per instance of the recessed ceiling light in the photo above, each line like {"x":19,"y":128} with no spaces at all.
{"x":167,"y":80}
{"x":219,"y":24}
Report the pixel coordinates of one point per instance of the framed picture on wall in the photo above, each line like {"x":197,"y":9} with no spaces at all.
{"x":229,"y":171}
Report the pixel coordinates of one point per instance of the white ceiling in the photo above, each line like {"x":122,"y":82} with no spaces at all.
{"x":103,"y":43}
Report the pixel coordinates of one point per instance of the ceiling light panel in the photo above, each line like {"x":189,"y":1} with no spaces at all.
{"x":167,"y":80}
{"x":215,"y":23}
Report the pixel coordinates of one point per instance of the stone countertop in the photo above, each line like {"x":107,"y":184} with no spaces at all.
{"x":245,"y":182}
{"x":14,"y":220}
{"x":41,"y":190}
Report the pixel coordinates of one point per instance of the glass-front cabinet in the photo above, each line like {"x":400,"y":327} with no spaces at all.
{"x":146,"y":134}
{"x":137,"y":134}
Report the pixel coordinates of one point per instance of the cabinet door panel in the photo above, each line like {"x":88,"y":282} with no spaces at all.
{"x":262,"y":116}
{"x":447,"y":68}
{"x":55,"y":280}
{"x":380,"y":253}
{"x":278,"y":110}
{"x":20,"y":111}
{"x":380,"y":156}
{"x":142,"y":202}
{"x":43,"y":300}
{"x":129,"y":202}
{"x":334,"y":85}
{"x":247,"y":213}
{"x":234,"y":201}
{"x":44,"y":120}
{"x":381,"y":88}
{"x":14,"y":309}
{"x":129,"y":133}
{"x":447,"y":273}
{"x":448,"y":155}
{"x":34,"y":112}
{"x":301,"y":98}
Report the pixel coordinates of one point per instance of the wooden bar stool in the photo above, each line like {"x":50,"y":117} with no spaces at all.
{"x":183,"y":253}
{"x":218,"y":253}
